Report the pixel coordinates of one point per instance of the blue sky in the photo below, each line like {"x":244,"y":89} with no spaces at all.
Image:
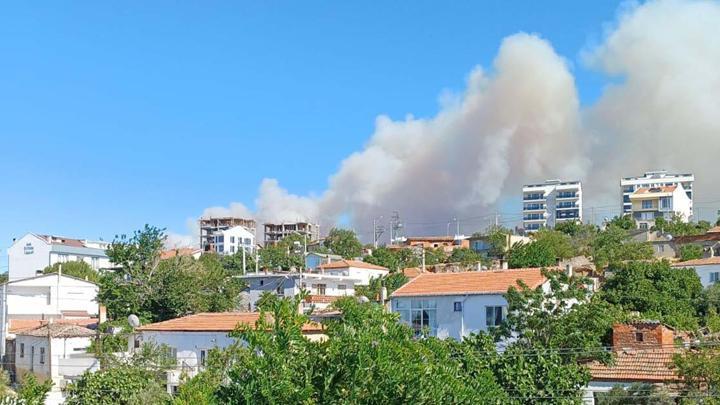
{"x":116,"y":115}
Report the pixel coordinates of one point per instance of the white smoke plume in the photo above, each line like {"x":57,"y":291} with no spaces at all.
{"x":521,"y":122}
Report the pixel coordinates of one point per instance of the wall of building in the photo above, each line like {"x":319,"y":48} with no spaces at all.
{"x":705,"y":273}
{"x":26,"y":256}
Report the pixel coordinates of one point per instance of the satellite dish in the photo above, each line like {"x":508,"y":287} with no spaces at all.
{"x":363,"y":299}
{"x":133,"y":320}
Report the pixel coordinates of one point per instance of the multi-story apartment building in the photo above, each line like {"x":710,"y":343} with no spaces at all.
{"x":233,"y":240}
{"x":551,"y":202}
{"x":655,"y":202}
{"x":276,"y":232}
{"x":658,"y":178}
{"x":29,"y":255}
{"x":211,"y":227}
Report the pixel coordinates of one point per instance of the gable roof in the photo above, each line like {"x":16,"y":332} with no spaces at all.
{"x":344,"y":264}
{"x":214,"y":322}
{"x":470,"y":283}
{"x":412,"y":272}
{"x":18,"y":280}
{"x":19,"y":325}
{"x":58,"y":330}
{"x":647,"y":365}
{"x":699,"y":262}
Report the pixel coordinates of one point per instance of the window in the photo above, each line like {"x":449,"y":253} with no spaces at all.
{"x":220,"y":248}
{"x":639,"y":337}
{"x":262,"y":283}
{"x":42,"y":355}
{"x":62,"y":258}
{"x":643,"y":226}
{"x":715,"y":277}
{"x":175,"y":389}
{"x":220,"y":239}
{"x":232,"y":248}
{"x":457,"y":306}
{"x":280,"y":291}
{"x":171,"y":353}
{"x":660,"y":248}
{"x":423,"y":315}
{"x":342,"y":289}
{"x":22,"y":350}
{"x":246,"y":242}
{"x":666,"y":203}
{"x":232,"y":239}
{"x":203,"y":357}
{"x":319,"y":289}
{"x":494,"y":316}
{"x":647,"y":204}
{"x":95,"y":263}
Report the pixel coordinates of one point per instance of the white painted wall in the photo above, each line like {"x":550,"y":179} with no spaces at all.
{"x":363,"y":275}
{"x":233,"y":240}
{"x":66,"y":358}
{"x":705,"y":272}
{"x":292,"y":284}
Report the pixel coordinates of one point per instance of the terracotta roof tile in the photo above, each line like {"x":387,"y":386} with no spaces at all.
{"x":473,"y":282}
{"x":61,"y":240}
{"x":167,"y":254}
{"x":698,"y":262}
{"x":412,"y":272}
{"x":343,"y":264}
{"x":650,"y":190}
{"x":648,"y":365}
{"x":19,"y":325}
{"x":321,"y":299}
{"x":58,"y":330}
{"x":214,"y":322}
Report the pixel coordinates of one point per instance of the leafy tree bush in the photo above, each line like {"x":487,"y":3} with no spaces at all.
{"x":530,"y":255}
{"x":464,"y":256}
{"x":677,"y":226}
{"x":80,"y":270}
{"x":700,"y":370}
{"x":394,"y":259}
{"x":690,"y":252}
{"x":625,"y":222}
{"x":637,"y":393}
{"x":33,"y":392}
{"x":124,"y":384}
{"x":343,"y":242}
{"x":284,"y":255}
{"x":656,"y":291}
{"x":391,"y":282}
{"x":613,"y":246}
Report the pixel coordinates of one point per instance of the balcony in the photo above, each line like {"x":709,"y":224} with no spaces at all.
{"x":566,"y":205}
{"x":534,"y":207}
{"x":567,"y":195}
{"x":533,"y":197}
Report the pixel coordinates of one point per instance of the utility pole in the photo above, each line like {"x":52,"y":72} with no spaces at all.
{"x":378,"y":230}
{"x":243,"y":249}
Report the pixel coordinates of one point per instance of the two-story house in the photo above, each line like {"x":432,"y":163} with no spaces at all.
{"x":655,"y":202}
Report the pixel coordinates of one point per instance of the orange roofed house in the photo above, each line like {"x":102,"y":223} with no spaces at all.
{"x":454,"y":305}
{"x":189,"y":339}
{"x":643,"y":353}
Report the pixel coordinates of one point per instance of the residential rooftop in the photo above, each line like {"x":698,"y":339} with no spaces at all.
{"x":344,"y":264}
{"x":699,"y":262}
{"x":470,"y":283}
{"x":215,"y":322}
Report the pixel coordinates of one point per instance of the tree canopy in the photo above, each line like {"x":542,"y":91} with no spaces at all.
{"x":80,"y":270}
{"x":343,"y":242}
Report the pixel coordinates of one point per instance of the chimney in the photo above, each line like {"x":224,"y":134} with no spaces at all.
{"x":102,"y":314}
{"x":642,"y":335}
{"x":569,"y":270}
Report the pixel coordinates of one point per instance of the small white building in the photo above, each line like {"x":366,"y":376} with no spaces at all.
{"x":322,"y":289}
{"x":191,"y":338}
{"x":30,"y":254}
{"x":234,"y":240}
{"x":50,"y":296}
{"x":655,"y":202}
{"x":454,"y":305}
{"x":55,"y":351}
{"x":708,"y":269}
{"x":364,"y":272}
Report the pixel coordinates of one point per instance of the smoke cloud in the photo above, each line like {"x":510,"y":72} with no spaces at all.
{"x":521,"y":121}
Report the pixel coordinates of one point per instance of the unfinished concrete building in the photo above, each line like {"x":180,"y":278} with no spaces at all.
{"x":276,"y":232}
{"x":210,"y":226}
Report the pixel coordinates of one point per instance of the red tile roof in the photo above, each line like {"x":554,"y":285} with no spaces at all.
{"x":321,"y":299}
{"x":699,"y":262}
{"x":412,"y":272}
{"x":473,"y":282}
{"x":214,"y":322}
{"x":642,"y":365}
{"x":61,"y":240}
{"x":167,"y":254}
{"x":430,"y":239}
{"x":650,"y":190}
{"x":19,"y":325}
{"x":344,"y":264}
{"x":714,"y":229}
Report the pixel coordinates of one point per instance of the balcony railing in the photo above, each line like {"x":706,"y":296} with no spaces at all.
{"x":567,"y":195}
{"x":532,"y":207}
{"x":533,"y":197}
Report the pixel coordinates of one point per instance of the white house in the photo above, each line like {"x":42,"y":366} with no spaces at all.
{"x":189,"y":339}
{"x":655,"y":202}
{"x":657,"y":178}
{"x":314,"y":259}
{"x":454,"y":305}
{"x":708,"y":269}
{"x":50,"y":296}
{"x":55,"y":351}
{"x":32,"y":253}
{"x":233,"y":240}
{"x":322,"y":289}
{"x":355,"y":269}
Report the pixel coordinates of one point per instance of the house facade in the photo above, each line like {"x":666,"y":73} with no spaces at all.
{"x":355,"y":269}
{"x":549,"y":203}
{"x":658,"y":178}
{"x":191,"y":338}
{"x":642,"y":353}
{"x":29,"y":255}
{"x":50,"y":296}
{"x":708,"y":269}
{"x":651,"y":203}
{"x":454,"y":305}
{"x":234,"y":240}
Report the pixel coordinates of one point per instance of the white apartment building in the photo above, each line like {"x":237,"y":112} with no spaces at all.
{"x":50,"y":296}
{"x":234,"y":240}
{"x":30,"y":254}
{"x":657,"y":178}
{"x":647,"y":204}
{"x":549,"y":203}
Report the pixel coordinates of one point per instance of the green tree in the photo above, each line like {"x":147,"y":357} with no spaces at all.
{"x":637,"y":393}
{"x":33,"y":392}
{"x":523,"y":255}
{"x":343,"y":242}
{"x":625,"y":222}
{"x":391,"y":282}
{"x":497,"y":237}
{"x":464,"y":256}
{"x":285,"y":254}
{"x":656,"y":291}
{"x":80,"y":270}
{"x":678,"y":226}
{"x":690,"y":252}
{"x":613,"y":246}
{"x":394,"y":259}
{"x":700,"y":369}
{"x":557,"y":242}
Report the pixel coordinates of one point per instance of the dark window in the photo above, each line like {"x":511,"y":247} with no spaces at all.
{"x":457,"y":306}
{"x":639,"y":337}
